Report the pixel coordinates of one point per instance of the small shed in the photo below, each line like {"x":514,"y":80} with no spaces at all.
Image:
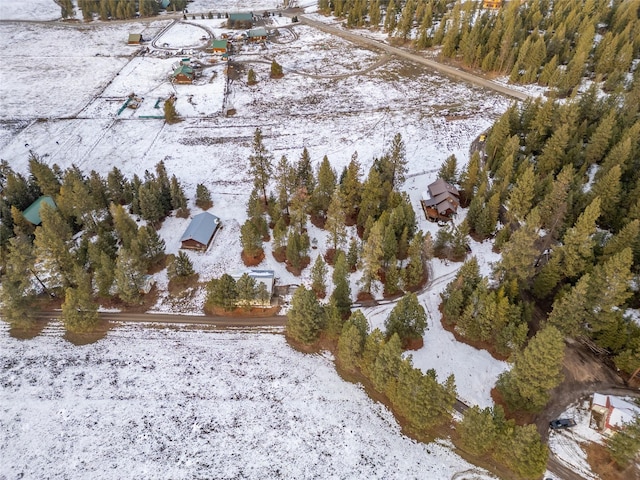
{"x":32,"y":213}
{"x":257,"y":34}
{"x":266,"y":277}
{"x":135,"y":39}
{"x":219,"y":46}
{"x":610,"y":413}
{"x":200,"y":232}
{"x":442,"y":201}
{"x":183,"y":74}
{"x":492,"y":4}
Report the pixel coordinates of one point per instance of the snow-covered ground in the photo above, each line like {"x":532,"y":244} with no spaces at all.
{"x":567,"y":445}
{"x":159,"y":403}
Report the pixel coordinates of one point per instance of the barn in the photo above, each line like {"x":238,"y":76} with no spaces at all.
{"x":200,"y":232}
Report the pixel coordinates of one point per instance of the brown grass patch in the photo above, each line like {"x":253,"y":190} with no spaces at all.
{"x":317,"y":220}
{"x":180,"y":284}
{"x":280,"y":254}
{"x":304,"y":263}
{"x":252,"y":261}
{"x":603,"y":465}
{"x":330,"y":256}
{"x":28,"y":330}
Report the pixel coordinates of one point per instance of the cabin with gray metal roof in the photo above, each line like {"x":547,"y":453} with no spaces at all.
{"x":200,"y":232}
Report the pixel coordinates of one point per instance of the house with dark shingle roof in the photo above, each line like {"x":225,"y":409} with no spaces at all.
{"x":32,"y":213}
{"x":200,"y":232}
{"x":443,"y":201}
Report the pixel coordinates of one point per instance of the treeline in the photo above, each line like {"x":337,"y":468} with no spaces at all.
{"x":423,"y":403}
{"x":118,"y":9}
{"x":88,"y":246}
{"x":227,"y":293}
{"x":559,"y":188}
{"x":387,"y":247}
{"x":553,"y":43}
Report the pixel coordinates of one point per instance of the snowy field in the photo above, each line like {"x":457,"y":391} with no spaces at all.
{"x":161,"y":403}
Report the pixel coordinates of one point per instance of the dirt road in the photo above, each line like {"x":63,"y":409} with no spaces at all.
{"x":398,"y":52}
{"x":217,"y":322}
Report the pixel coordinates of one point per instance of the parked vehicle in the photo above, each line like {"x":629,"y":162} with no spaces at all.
{"x":561,"y":423}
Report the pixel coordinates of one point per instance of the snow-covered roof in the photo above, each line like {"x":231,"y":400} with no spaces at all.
{"x":622,"y":412}
{"x":257,"y":32}
{"x":201,"y":228}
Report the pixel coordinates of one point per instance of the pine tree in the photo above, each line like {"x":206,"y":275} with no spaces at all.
{"x":625,"y":238}
{"x":392,"y":278}
{"x":178,"y":198}
{"x":449,"y":170}
{"x":624,"y":445}
{"x":125,"y":228}
{"x":53,"y":243}
{"x":285,"y":183}
{"x":251,"y":239}
{"x":276,"y":70}
{"x":260,"y":166}
{"x":148,"y":246}
{"x":305,"y":318}
{"x":390,"y":20}
{"x":520,"y":253}
{"x":294,"y":250}
{"x":304,"y":173}
{"x":375,"y":14}
{"x":599,"y":141}
{"x":79,"y":311}
{"x":16,"y":293}
{"x":387,"y":364}
{"x":129,"y":276}
{"x":522,"y":195}
{"x":536,"y":371}
{"x":413,"y":274}
{"x":408,"y":319}
{"x":104,"y":274}
{"x":170,"y":114}
{"x":251,"y":77}
{"x":222,"y":292}
{"x":342,"y":291}
{"x":352,"y":254}
{"x":397,"y":161}
{"x":181,"y":267}
{"x":520,"y":448}
{"x":151,"y":205}
{"x":203,"y":197}
{"x":577,"y":248}
{"x":608,"y":188}
{"x":335,"y":223}
{"x":352,"y":340}
{"x":322,"y":194}
{"x":351,"y":187}
{"x":46,"y":179}
{"x":372,"y":257}
{"x":318,"y":277}
{"x":247,"y":290}
{"x":477,"y":430}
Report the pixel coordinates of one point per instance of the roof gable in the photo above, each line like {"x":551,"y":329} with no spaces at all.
{"x":241,"y":17}
{"x":219,"y":43}
{"x":201,"y":228}
{"x":32,"y":213}
{"x":440,"y":186}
